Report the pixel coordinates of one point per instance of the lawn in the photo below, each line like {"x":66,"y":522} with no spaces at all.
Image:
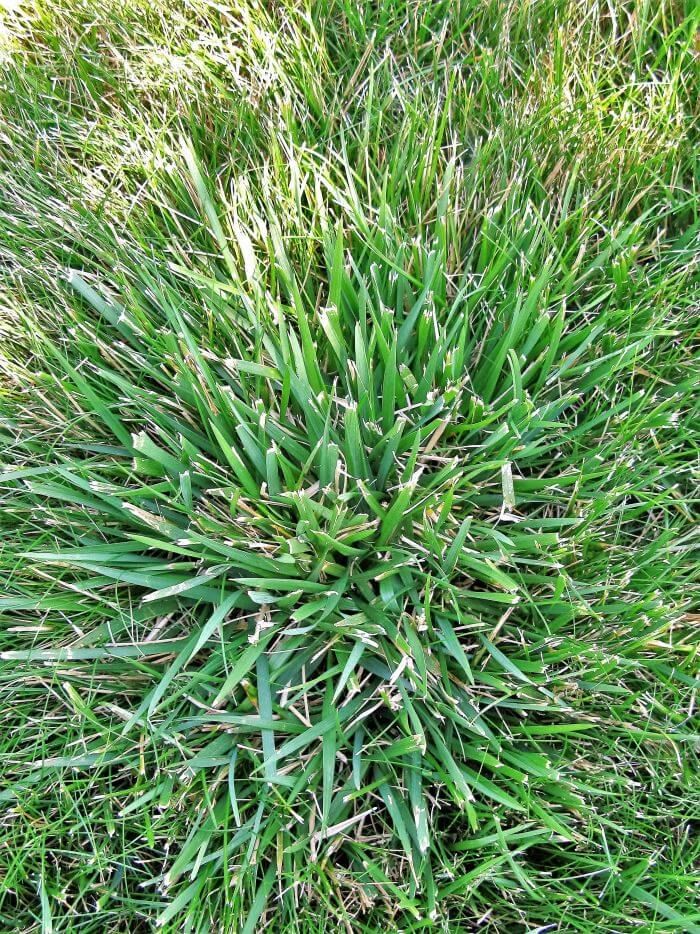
{"x":348,"y":466}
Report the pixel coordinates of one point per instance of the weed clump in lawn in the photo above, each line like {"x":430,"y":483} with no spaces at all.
{"x":345,"y":510}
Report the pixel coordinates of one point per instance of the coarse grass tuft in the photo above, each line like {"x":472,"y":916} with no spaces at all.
{"x":349,"y":419}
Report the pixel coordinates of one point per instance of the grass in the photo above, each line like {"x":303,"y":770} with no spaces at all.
{"x":348,"y":409}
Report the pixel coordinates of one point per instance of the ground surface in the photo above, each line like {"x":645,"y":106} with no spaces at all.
{"x":348,"y":409}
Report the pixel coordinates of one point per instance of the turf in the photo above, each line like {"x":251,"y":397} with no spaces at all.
{"x":348,"y":483}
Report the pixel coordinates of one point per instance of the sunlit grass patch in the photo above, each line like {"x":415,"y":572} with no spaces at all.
{"x":349,"y":424}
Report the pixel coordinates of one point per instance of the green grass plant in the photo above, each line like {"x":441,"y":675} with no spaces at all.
{"x":348,"y":484}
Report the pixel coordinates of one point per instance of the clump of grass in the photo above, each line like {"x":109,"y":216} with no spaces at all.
{"x":347,"y":502}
